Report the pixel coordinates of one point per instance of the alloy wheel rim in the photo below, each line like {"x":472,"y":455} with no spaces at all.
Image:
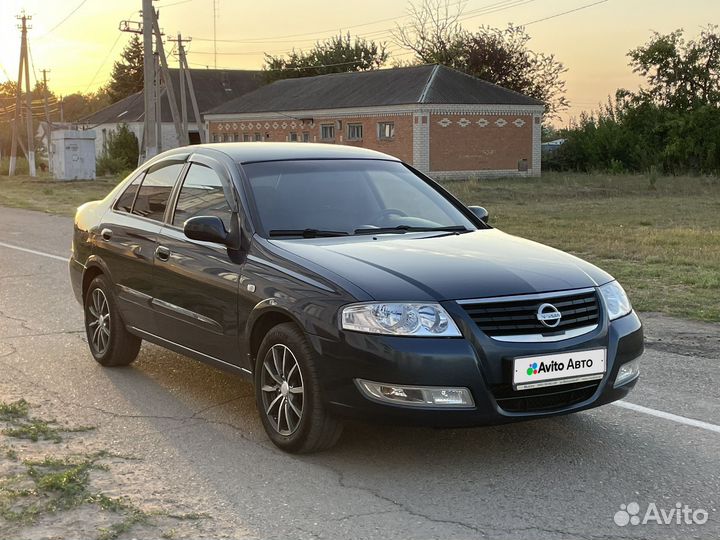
{"x":283,"y":395}
{"x":99,"y":321}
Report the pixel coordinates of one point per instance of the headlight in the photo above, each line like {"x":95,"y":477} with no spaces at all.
{"x":399,"y":319}
{"x":616,"y":301}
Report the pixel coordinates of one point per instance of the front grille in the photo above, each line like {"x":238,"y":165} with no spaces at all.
{"x":518,"y":315}
{"x":543,"y":399}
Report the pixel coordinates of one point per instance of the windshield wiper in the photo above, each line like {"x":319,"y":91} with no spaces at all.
{"x":306,"y":233}
{"x":402,"y":229}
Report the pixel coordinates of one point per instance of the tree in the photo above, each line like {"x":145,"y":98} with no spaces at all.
{"x":337,"y":55}
{"x":499,"y":56}
{"x":127,"y":73}
{"x":8,"y":92}
{"x":78,"y":106}
{"x":680,"y":74}
{"x":120,"y":153}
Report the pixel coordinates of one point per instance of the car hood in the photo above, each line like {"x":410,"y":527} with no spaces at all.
{"x":424,"y":267}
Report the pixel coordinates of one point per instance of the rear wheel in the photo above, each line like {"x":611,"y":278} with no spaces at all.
{"x":109,"y":341}
{"x":287,"y":393}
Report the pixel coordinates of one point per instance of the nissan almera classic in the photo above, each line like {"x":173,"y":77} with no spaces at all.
{"x":344,"y":283}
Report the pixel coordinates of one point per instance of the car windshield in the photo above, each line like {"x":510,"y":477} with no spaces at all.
{"x":339,"y":197}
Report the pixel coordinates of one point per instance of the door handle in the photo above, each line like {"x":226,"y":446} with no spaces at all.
{"x":162,"y":253}
{"x":106,"y":234}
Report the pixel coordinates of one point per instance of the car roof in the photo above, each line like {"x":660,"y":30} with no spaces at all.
{"x":248,"y":152}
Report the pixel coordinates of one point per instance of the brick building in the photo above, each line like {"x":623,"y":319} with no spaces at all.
{"x":440,"y":120}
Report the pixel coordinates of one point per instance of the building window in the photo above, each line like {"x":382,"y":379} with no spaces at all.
{"x":293,"y":137}
{"x":354,"y":132}
{"x":306,"y":136}
{"x":386,"y":130}
{"x":327,"y":132}
{"x":258,"y":137}
{"x":215,"y":137}
{"x":236,"y":137}
{"x":246,"y":137}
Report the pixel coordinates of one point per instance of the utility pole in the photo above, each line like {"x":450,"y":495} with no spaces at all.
{"x":155,"y":70}
{"x":158,"y":101}
{"x":169,"y":87}
{"x":183,"y":99}
{"x":23,"y":66}
{"x":186,"y":78}
{"x":48,"y":124}
{"x":149,"y":90}
{"x":216,"y":7}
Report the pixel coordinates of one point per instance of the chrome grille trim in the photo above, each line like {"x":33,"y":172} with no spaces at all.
{"x":523,"y":297}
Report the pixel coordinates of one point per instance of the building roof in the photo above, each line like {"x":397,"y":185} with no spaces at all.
{"x":212,"y":87}
{"x":250,"y":152}
{"x":425,"y":84}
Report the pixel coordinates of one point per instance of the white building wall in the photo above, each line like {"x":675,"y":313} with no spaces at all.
{"x":421,"y":141}
{"x":536,"y":165}
{"x":169,"y":138}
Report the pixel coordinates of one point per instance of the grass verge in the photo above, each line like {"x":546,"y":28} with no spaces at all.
{"x":660,"y":239}
{"x":53,"y":196}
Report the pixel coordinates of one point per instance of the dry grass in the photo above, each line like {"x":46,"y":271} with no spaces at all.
{"x":52,"y":196}
{"x":662,"y":243}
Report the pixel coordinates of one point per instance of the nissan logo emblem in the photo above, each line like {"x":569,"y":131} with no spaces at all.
{"x":549,"y":315}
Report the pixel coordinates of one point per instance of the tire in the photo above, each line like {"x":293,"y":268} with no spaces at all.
{"x":109,"y":341}
{"x":278,"y":399}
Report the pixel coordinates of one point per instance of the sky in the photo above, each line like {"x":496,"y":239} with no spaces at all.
{"x":78,"y":40}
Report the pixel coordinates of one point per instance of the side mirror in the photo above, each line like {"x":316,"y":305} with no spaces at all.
{"x":206,"y":229}
{"x":480,"y":213}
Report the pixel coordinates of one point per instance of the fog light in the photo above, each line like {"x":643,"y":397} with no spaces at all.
{"x":627,"y":372}
{"x":426,"y":396}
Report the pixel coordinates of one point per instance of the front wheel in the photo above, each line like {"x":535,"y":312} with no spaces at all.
{"x":110,"y":342}
{"x":287,"y":393}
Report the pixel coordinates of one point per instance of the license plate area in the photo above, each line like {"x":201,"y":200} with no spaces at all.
{"x":545,"y":370}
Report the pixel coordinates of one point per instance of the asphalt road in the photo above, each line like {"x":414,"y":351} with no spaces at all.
{"x":199,"y":438}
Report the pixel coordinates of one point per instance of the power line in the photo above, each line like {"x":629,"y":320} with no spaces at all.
{"x":81,"y":4}
{"x":102,"y":64}
{"x":298,"y":68}
{"x":174,"y":3}
{"x":488,"y":8}
{"x":110,"y":51}
{"x":485,"y":10}
{"x":565,"y":13}
{"x":32,"y":63}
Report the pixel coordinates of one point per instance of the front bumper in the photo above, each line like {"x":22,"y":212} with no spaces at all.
{"x":476,"y":362}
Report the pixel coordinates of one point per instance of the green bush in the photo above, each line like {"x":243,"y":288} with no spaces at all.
{"x":109,"y":166}
{"x":636,"y":137}
{"x":120,"y":153}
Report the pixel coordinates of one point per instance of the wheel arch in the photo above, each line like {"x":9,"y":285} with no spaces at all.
{"x":93,"y":268}
{"x":265,"y":316}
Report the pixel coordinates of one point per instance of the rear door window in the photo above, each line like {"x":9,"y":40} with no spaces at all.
{"x":125,"y":201}
{"x":154,"y":193}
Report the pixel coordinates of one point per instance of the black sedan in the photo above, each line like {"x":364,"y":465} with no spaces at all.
{"x":344,"y":283}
